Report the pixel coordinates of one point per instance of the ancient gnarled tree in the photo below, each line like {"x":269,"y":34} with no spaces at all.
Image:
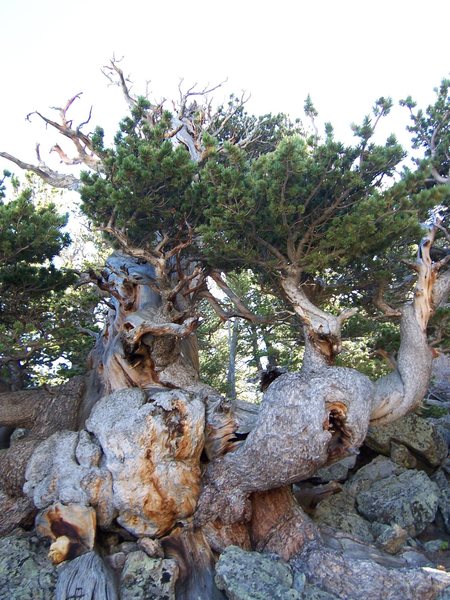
{"x":184,"y":197}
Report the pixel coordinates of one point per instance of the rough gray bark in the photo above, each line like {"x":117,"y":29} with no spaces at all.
{"x":85,"y":577}
{"x":148,"y":339}
{"x":306,"y":420}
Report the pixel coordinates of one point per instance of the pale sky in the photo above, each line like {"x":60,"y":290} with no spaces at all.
{"x":345,"y":53}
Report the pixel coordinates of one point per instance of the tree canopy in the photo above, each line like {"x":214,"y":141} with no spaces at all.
{"x":39,"y":317}
{"x":198,"y":193}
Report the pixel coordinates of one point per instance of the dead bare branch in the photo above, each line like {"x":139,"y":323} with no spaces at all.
{"x":135,"y":330}
{"x":53,"y":178}
{"x":109,"y":70}
{"x":243,"y":310}
{"x":379,"y":301}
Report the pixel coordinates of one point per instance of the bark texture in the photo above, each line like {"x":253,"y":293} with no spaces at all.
{"x":148,"y":338}
{"x":41,"y":412}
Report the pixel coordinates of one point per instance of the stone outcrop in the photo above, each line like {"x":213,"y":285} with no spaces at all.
{"x":245,"y":575}
{"x":25,"y":571}
{"x":409,"y":500}
{"x":418,"y":436}
{"x":144,"y":577}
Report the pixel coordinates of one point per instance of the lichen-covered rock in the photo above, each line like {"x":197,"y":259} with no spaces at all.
{"x":152,"y":446}
{"x":312,"y":592}
{"x":379,"y":468}
{"x":409,"y":499}
{"x":25,"y":571}
{"x":444,"y":497}
{"x":440,"y":377}
{"x":417,"y":434}
{"x":402,"y":456}
{"x":352,"y":578}
{"x":247,"y":575}
{"x":337,"y":471}
{"x":339,"y":512}
{"x":145,"y":578}
{"x":443,"y":424}
{"x":436,"y":545}
{"x":389,"y":538}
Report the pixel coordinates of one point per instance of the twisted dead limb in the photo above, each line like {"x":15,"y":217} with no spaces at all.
{"x":402,"y":390}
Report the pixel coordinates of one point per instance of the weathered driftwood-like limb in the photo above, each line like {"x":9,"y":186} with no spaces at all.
{"x":196,"y":563}
{"x":53,"y":178}
{"x":403,"y":389}
{"x":22,"y":408}
{"x":86,"y":577}
{"x":86,"y":153}
{"x":241,"y":308}
{"x":380,"y":302}
{"x":137,"y":326}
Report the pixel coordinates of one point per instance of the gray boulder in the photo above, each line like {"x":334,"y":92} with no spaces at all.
{"x":419,"y":435}
{"x":312,"y":592}
{"x":339,"y":512}
{"x":252,"y":576}
{"x":389,"y":538}
{"x":337,"y":471}
{"x":145,"y":578}
{"x":409,"y":499}
{"x":444,"y":497}
{"x":379,"y":468}
{"x":25,"y":571}
{"x":443,"y":424}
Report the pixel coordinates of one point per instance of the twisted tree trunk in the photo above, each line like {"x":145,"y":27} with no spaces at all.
{"x":250,"y":455}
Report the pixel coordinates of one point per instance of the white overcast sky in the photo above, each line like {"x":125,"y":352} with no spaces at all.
{"x":345,"y":53}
